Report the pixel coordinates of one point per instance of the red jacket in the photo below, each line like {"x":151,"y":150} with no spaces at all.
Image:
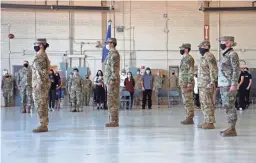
{"x":129,"y":85}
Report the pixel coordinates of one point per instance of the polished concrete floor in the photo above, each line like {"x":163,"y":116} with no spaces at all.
{"x":144,"y":136}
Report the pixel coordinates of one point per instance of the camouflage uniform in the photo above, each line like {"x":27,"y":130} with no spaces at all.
{"x":75,"y":88}
{"x":138,"y":86}
{"x":7,"y":89}
{"x":207,"y":76}
{"x":159,"y":85}
{"x":186,"y":76}
{"x":112,"y":69}
{"x":87,"y":91}
{"x":68,"y":91}
{"x":229,"y":71}
{"x":40,"y":86}
{"x":24,"y":83}
{"x":174,"y":82}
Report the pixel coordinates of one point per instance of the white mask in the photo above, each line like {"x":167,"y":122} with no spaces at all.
{"x":148,"y":71}
{"x":107,"y":47}
{"x":75,"y":73}
{"x":138,"y":72}
{"x":123,"y":74}
{"x":100,"y":77}
{"x":129,"y":75}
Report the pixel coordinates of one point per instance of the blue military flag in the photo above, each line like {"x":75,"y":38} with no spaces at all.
{"x":108,"y":35}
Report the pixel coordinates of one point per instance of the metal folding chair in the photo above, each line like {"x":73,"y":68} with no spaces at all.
{"x":137,"y":96}
{"x":124,"y":100}
{"x":173,"y":97}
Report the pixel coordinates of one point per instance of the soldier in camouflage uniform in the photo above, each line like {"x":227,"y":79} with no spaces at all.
{"x":41,"y":83}
{"x":186,"y":82}
{"x":75,"y":88}
{"x":112,"y":80}
{"x":207,"y":77}
{"x":24,"y":83}
{"x":87,"y":90}
{"x":158,"y":86}
{"x":7,"y":89}
{"x":67,"y":88}
{"x":229,"y":71}
{"x":173,"y":81}
{"x":138,"y":86}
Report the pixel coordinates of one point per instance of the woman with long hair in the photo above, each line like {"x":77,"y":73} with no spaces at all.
{"x":99,"y":91}
{"x":129,"y":84}
{"x":58,"y":90}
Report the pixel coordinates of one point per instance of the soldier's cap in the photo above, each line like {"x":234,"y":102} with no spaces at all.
{"x":204,"y":43}
{"x":229,"y":38}
{"x":185,"y":46}
{"x":111,"y":40}
{"x":41,"y":41}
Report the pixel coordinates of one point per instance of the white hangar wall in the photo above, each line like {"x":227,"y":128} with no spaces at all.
{"x":185,"y":24}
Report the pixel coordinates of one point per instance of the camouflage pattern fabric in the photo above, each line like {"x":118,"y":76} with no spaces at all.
{"x":24,"y":83}
{"x":67,"y":87}
{"x":174,"y":81}
{"x":75,"y":87}
{"x":137,"y":80}
{"x":112,"y":68}
{"x":87,"y":91}
{"x":41,"y":85}
{"x":7,"y":89}
{"x":158,"y":86}
{"x":206,"y":104}
{"x":186,"y":77}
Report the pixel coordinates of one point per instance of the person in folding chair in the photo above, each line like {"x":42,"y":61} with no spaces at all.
{"x":129,"y":84}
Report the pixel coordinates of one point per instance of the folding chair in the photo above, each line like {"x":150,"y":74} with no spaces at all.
{"x":173,"y":96}
{"x":124,"y":100}
{"x":137,"y":96}
{"x":162,"y":94}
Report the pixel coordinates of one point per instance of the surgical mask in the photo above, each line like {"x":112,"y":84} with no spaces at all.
{"x":99,"y":73}
{"x":107,"y":47}
{"x":182,"y":52}
{"x":36,"y":48}
{"x":203,"y":51}
{"x":148,"y":71}
{"x":223,"y":46}
{"x":87,"y":77}
{"x":75,"y":73}
{"x":129,"y":75}
{"x":25,"y":65}
{"x":100,"y":77}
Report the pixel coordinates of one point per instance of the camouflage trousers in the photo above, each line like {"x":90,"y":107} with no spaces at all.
{"x":206,"y":103}
{"x":40,"y":102}
{"x":228,"y":102}
{"x":112,"y":102}
{"x":87,"y":96}
{"x":76,"y":100}
{"x":7,"y":94}
{"x":187,"y":97}
{"x":26,"y":95}
{"x":156,"y":96}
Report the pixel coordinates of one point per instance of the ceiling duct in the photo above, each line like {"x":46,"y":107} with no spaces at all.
{"x":56,"y":7}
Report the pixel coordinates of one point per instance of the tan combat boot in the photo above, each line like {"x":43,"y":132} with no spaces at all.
{"x":23,"y":109}
{"x":208,"y":126}
{"x":229,"y":132}
{"x":29,"y":109}
{"x":112,"y":124}
{"x":188,"y":121}
{"x":41,"y":129}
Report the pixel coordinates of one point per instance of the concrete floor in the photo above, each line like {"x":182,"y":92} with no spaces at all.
{"x":148,"y":136}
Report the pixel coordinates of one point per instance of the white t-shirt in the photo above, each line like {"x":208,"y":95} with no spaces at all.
{"x":196,"y":86}
{"x":122,"y":79}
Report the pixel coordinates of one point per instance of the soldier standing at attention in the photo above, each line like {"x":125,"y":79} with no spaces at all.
{"x":68,"y":91}
{"x":87,"y":90}
{"x":7,"y":89}
{"x":24,"y":83}
{"x":75,"y":88}
{"x":112,"y":80}
{"x":207,"y":77}
{"x":173,"y":81}
{"x":186,"y":82}
{"x":229,"y":72}
{"x":138,"y":86}
{"x":159,"y":85}
{"x":41,"y":83}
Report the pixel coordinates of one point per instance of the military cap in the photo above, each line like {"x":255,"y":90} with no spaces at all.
{"x":111,"y":40}
{"x":204,"y":43}
{"x":185,"y":46}
{"x":41,"y":41}
{"x":229,"y":38}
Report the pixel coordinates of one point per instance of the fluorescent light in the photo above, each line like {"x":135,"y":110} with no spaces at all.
{"x":76,"y":56}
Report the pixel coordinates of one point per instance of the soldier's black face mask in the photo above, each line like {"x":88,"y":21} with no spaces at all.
{"x":182,"y":52}
{"x":25,"y":65}
{"x":223,"y":46}
{"x":173,"y":73}
{"x":36,"y":48}
{"x":203,"y":51}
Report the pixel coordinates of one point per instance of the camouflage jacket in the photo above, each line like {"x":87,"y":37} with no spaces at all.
{"x":112,"y":67}
{"x":87,"y":86}
{"x":76,"y":83}
{"x":24,"y":77}
{"x":159,"y":82}
{"x":174,"y":82}
{"x":186,"y":74}
{"x":207,"y":70}
{"x":229,"y":69}
{"x":138,"y":82}
{"x":40,"y":68}
{"x":7,"y":84}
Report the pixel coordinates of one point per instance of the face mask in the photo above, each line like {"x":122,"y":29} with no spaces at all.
{"x":87,"y":77}
{"x":223,"y":46}
{"x":100,"y":77}
{"x":138,"y":72}
{"x":99,"y":73}
{"x":75,"y":73}
{"x":173,"y":73}
{"x":148,"y":71}
{"x":36,"y":48}
{"x":7,"y":76}
{"x":203,"y":51}
{"x":182,"y":52}
{"x":123,"y":74}
{"x":129,"y":75}
{"x":107,"y":47}
{"x":25,"y":65}
{"x":196,"y":76}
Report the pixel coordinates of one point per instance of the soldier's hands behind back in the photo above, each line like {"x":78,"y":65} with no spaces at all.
{"x":209,"y":85}
{"x":233,"y":88}
{"x":111,"y":82}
